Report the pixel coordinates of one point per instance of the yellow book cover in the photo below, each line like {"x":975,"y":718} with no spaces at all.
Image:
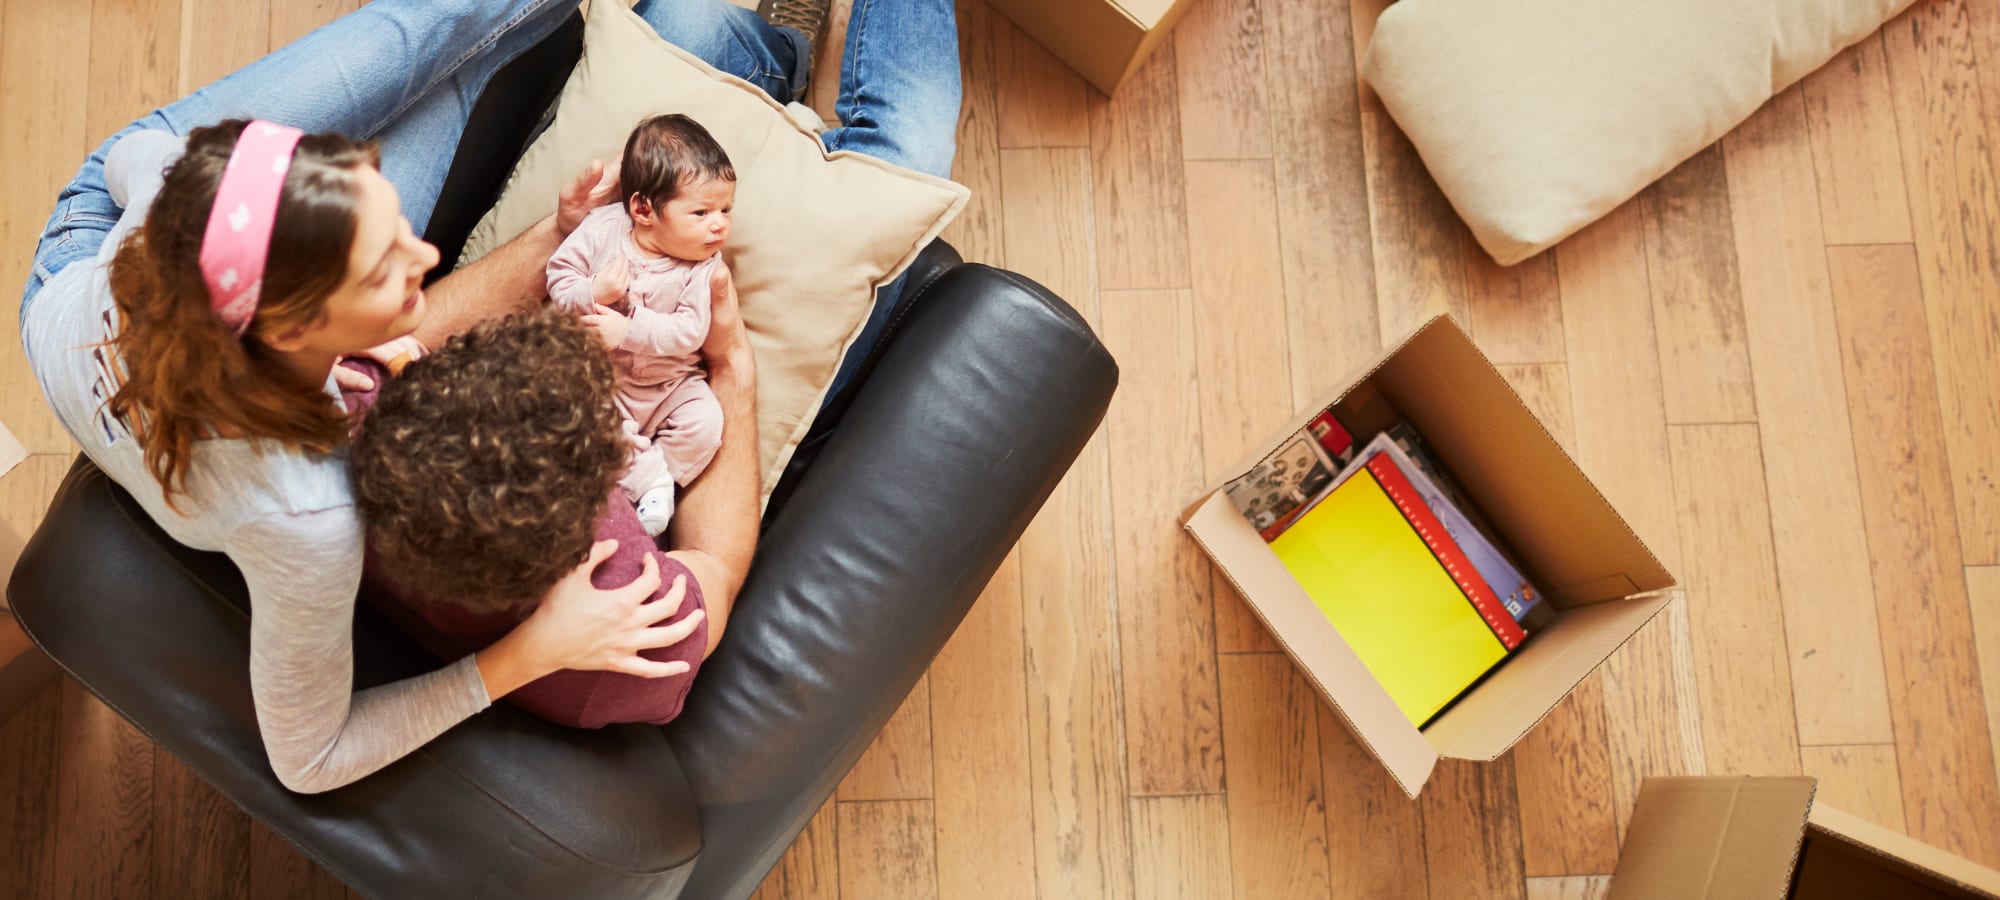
{"x":1366,"y":568}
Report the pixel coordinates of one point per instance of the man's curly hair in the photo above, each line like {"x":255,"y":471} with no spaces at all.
{"x":481,"y":470}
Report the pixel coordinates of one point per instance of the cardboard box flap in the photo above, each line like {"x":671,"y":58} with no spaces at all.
{"x":11,"y":452}
{"x":1305,"y":416}
{"x":1559,"y":526}
{"x":1713,"y":838}
{"x":1099,"y":40}
{"x":1488,"y":720}
{"x":1318,"y":649}
{"x":1911,"y":858}
{"x":1557,"y":523}
{"x":1158,"y":17}
{"x":1148,"y":13}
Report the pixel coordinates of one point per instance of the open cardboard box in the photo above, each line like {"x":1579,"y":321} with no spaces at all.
{"x":1103,"y":40}
{"x":1738,"y":838}
{"x":1600,"y":578}
{"x":24,"y":668}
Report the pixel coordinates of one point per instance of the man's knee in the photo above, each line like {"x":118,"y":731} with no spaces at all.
{"x":934,"y":154}
{"x":927,"y":136}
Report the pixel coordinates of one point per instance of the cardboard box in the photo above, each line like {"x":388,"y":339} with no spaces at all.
{"x":1598,"y":575}
{"x":24,"y":668}
{"x":11,"y":452}
{"x":1103,"y":40}
{"x":1737,"y":838}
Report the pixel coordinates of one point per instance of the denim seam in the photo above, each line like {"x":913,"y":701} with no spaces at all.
{"x":761,"y":77}
{"x":39,"y":276}
{"x":858,"y":27}
{"x":77,"y":215}
{"x":59,"y":242}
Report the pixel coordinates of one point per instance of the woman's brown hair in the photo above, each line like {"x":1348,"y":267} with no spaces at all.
{"x":187,"y":378}
{"x":482,"y":468}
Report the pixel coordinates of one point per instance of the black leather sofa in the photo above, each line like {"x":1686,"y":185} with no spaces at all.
{"x":911,"y":490}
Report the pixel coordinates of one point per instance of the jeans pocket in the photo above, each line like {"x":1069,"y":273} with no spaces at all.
{"x":75,"y":217}
{"x":58,"y":253}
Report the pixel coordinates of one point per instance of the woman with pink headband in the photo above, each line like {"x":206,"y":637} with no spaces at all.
{"x":210,"y":264}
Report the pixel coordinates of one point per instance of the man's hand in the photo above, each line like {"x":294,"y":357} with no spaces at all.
{"x":597,"y":186}
{"x":610,"y":325}
{"x":393,"y":356}
{"x":726,"y":342}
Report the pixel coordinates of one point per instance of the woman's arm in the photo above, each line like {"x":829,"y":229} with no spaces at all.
{"x":577,"y":626}
{"x":302,"y":572}
{"x":321,"y":734}
{"x":134,"y":169}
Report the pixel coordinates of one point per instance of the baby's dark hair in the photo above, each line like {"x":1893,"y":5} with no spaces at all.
{"x":666,"y":153}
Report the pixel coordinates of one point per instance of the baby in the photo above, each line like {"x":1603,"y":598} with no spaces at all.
{"x":638,"y":273}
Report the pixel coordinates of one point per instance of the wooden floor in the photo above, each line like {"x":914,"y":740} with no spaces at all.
{"x":1782,"y":363}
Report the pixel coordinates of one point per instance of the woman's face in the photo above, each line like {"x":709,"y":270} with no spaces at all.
{"x":381,"y":298}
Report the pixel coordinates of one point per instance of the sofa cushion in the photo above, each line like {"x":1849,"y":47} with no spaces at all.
{"x":1538,"y":116}
{"x":814,"y":232}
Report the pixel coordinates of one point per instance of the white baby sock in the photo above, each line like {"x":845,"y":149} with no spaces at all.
{"x":656,"y":508}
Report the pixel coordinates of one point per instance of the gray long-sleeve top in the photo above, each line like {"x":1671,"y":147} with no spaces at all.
{"x":286,"y":518}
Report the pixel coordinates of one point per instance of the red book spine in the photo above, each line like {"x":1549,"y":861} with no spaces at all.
{"x":1333,"y":438}
{"x":1446,"y":550}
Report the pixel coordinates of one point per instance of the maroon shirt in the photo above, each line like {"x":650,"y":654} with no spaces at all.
{"x":579,"y":699}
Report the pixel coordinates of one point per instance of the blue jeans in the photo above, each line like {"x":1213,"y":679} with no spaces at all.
{"x":899,"y":99}
{"x":407,"y":72}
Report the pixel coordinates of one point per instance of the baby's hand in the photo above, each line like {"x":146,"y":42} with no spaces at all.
{"x":607,"y":287}
{"x":610,"y":324}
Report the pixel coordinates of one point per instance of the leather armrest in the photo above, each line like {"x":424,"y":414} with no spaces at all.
{"x":503,"y":805}
{"x":971,"y":416}
{"x":933,"y":262}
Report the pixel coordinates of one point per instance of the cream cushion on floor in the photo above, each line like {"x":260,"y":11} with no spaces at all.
{"x":812,"y":235}
{"x":1538,"y":116}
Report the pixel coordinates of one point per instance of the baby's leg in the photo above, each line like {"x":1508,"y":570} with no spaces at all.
{"x":648,"y":480}
{"x":692,"y":429}
{"x":649,"y":467}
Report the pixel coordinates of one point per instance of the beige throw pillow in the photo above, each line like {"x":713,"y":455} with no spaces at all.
{"x":814,"y":233}
{"x":1538,"y":116}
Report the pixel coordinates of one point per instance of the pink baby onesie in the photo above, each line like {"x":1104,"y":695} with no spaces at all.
{"x":671,"y":414}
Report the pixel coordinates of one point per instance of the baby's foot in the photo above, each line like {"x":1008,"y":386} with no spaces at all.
{"x":656,"y":509}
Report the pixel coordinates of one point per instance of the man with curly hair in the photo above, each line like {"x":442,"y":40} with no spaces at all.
{"x":488,"y":470}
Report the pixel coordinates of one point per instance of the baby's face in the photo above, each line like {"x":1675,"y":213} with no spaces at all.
{"x":693,"y":225}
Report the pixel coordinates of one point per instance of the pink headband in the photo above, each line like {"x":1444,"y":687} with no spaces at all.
{"x":238,"y":238}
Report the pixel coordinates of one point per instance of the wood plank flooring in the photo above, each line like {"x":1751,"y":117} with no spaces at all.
{"x":1781,"y":363}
